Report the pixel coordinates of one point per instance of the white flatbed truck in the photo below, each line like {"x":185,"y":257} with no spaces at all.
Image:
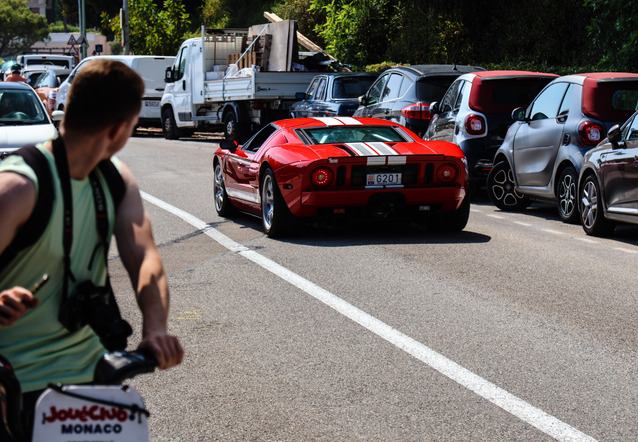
{"x":202,"y":94}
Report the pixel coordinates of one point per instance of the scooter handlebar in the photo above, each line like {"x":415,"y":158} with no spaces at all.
{"x":115,"y":367}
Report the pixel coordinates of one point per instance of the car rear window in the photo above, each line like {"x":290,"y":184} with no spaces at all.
{"x":501,"y":96}
{"x":352,"y":134}
{"x":152,"y":72}
{"x":610,"y":100}
{"x":430,"y":89}
{"x":353,"y":87}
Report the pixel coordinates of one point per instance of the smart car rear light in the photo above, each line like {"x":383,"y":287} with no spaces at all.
{"x":475,"y":124}
{"x":417,"y":111}
{"x":447,"y":173}
{"x":590,"y":133}
{"x":322,"y":176}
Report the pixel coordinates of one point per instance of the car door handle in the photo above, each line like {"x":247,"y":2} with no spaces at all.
{"x":184,"y":85}
{"x":387,"y":111}
{"x":566,"y":139}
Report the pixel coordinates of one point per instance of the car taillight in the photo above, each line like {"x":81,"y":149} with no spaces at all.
{"x":321,"y":176}
{"x":590,"y":133}
{"x":417,"y":111}
{"x":475,"y":124}
{"x":447,"y":173}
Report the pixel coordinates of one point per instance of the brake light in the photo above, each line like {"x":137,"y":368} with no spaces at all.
{"x":417,"y":111}
{"x":447,"y":173}
{"x":590,"y":133}
{"x":475,"y":124}
{"x":321,"y":176}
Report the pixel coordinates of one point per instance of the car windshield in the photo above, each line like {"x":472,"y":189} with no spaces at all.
{"x":502,"y":96}
{"x":20,"y":107}
{"x":351,"y":87}
{"x":353,"y":134}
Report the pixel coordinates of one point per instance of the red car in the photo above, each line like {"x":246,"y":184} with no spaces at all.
{"x":336,"y":167}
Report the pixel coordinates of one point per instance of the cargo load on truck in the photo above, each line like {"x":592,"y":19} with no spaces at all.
{"x":236,"y":80}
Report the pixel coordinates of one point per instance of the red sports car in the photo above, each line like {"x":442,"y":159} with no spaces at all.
{"x":343,"y":166}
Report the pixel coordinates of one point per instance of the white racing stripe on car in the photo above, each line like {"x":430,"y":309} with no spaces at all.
{"x":349,"y":121}
{"x":398,"y":159}
{"x":376,"y":161}
{"x":328,"y":121}
{"x":382,"y":148}
{"x":362,"y":149}
{"x":514,"y":405}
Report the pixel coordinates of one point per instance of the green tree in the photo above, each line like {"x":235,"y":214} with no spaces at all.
{"x":614,"y":32}
{"x":152,"y":30}
{"x":19,"y":27}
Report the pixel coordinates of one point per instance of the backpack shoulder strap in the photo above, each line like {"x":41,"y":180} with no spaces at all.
{"x":31,"y":231}
{"x":114,"y":180}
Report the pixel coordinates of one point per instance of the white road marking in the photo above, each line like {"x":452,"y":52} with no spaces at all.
{"x":521,"y":223}
{"x":552,"y":231}
{"x":523,"y":410}
{"x":587,"y":240}
{"x":622,"y":249}
{"x":491,"y":215}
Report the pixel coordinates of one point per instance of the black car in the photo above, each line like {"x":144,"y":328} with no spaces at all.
{"x":608,"y":182}
{"x":331,"y":95}
{"x":403,"y":94}
{"x":475,"y":113}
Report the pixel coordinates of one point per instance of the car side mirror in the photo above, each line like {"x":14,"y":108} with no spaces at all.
{"x":614,"y":136}
{"x":168,"y":75}
{"x":434,"y":108}
{"x":229,"y":145}
{"x":300,"y":96}
{"x":363,"y":100}
{"x":57,"y":115}
{"x":518,"y":114}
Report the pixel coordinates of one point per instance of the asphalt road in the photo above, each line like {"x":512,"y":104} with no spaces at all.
{"x":519,"y":328}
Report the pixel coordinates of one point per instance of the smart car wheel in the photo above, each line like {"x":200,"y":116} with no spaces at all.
{"x":501,"y":188}
{"x":592,"y":217}
{"x":276,"y":217}
{"x":223,"y":206}
{"x":566,"y":193}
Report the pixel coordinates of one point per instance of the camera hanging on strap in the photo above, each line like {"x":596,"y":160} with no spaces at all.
{"x":88,"y":304}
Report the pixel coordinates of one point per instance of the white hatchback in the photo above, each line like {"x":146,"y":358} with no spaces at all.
{"x":23,"y":118}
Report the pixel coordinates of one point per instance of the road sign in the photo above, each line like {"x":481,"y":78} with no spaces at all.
{"x":72,"y":41}
{"x":73,"y":51}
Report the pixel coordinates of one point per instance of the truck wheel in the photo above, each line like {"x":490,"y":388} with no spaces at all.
{"x":169,"y":127}
{"x":233,"y":129}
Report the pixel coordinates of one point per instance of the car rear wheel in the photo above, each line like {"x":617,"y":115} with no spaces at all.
{"x":501,"y":189}
{"x":592,"y":217}
{"x":567,"y":194}
{"x":276,"y":217}
{"x":450,"y":221}
{"x":223,"y":206}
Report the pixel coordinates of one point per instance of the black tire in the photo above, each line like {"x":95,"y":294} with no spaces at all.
{"x":501,"y":189}
{"x":567,"y":194}
{"x":233,"y":128}
{"x":169,"y":126}
{"x":450,"y":221}
{"x":223,"y":206}
{"x":592,"y":217}
{"x":275,"y":215}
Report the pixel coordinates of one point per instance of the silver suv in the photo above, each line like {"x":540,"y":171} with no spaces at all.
{"x":542,"y":153}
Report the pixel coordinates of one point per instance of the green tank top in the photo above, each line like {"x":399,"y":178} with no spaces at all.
{"x":39,"y":347}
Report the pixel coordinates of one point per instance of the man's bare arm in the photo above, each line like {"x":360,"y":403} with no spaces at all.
{"x":142,"y":261}
{"x":17,"y":200}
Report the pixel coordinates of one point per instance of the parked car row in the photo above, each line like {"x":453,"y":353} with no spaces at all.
{"x":526,"y":135}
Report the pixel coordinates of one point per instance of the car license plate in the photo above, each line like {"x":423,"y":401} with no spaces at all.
{"x":383,"y":179}
{"x":151,"y":103}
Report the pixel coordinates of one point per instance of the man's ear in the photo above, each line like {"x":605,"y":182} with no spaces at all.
{"x":115,"y":130}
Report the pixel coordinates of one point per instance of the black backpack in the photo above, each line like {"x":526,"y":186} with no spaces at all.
{"x":31,"y":231}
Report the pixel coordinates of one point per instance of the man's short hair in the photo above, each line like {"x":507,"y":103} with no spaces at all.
{"x":103,"y":93}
